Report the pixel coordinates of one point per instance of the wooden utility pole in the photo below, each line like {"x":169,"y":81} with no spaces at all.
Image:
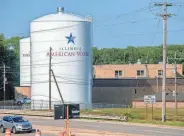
{"x":165,"y":17}
{"x":4,"y":77}
{"x":62,"y":100}
{"x":157,"y":84}
{"x":50,"y":61}
{"x":67,"y":121}
{"x":4,"y":82}
{"x":175,"y":86}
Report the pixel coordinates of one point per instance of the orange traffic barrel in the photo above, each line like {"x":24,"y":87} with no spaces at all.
{"x":38,"y":132}
{"x":8,"y":132}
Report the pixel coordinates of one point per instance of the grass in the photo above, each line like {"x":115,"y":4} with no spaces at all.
{"x":138,"y":115}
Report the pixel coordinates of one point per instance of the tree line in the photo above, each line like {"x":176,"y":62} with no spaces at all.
{"x":131,"y":54}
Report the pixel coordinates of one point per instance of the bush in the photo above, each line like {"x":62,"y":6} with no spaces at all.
{"x":132,"y":115}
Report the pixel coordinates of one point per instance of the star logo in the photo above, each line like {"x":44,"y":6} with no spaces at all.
{"x":70,"y":38}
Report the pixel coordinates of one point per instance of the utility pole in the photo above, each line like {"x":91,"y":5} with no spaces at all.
{"x":62,"y":100}
{"x":31,"y":64}
{"x":175,"y":85}
{"x":165,"y":17}
{"x":157,"y":84}
{"x":4,"y":77}
{"x":50,"y":61}
{"x":4,"y":82}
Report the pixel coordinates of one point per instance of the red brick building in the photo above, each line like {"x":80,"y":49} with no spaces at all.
{"x":135,"y":70}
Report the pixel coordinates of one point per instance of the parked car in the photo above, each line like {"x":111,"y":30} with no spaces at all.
{"x":21,"y":101}
{"x":16,"y":124}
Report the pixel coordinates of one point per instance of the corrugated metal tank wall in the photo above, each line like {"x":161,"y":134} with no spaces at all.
{"x":25,"y":61}
{"x":70,"y":38}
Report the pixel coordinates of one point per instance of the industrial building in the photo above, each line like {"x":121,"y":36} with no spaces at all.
{"x":129,"y":91}
{"x":135,"y":71}
{"x":24,"y":61}
{"x":67,"y":40}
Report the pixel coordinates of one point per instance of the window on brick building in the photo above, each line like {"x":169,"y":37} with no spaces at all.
{"x":140,"y":72}
{"x":160,"y":72}
{"x":118,"y":73}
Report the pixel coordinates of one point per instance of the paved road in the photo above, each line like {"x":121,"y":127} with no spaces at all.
{"x":109,"y":126}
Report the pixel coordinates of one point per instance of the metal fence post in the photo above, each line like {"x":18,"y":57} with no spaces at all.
{"x":42,"y":104}
{"x":33,"y":104}
{"x":12,"y":106}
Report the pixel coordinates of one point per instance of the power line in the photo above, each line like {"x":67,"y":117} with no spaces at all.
{"x":154,"y":37}
{"x":122,"y":15}
{"x":47,"y":64}
{"x":134,"y":34}
{"x":134,"y":11}
{"x":38,"y":74}
{"x":133,"y":21}
{"x":35,"y":61}
{"x":72,"y":79}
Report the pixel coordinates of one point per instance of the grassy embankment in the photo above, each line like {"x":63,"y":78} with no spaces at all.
{"x":138,"y":115}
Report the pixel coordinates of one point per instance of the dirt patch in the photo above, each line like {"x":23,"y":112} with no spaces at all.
{"x":79,"y":132}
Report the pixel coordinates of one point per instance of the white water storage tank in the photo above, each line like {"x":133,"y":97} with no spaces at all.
{"x":24,"y":61}
{"x":70,"y":38}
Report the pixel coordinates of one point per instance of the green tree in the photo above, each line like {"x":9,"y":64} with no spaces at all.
{"x":11,"y":59}
{"x":147,"y":54}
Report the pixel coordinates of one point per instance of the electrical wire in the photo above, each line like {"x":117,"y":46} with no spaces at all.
{"x":133,"y":21}
{"x":64,"y":82}
{"x":125,"y":14}
{"x":37,"y":74}
{"x":154,"y":37}
{"x":72,"y":79}
{"x":134,"y":11}
{"x":127,"y":34}
{"x":36,"y":61}
{"x":29,"y":82}
{"x":47,"y":64}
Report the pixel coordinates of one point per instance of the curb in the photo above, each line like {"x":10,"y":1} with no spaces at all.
{"x":81,"y":117}
{"x":29,"y":114}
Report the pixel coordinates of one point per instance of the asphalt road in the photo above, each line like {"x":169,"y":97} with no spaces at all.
{"x":108,"y":126}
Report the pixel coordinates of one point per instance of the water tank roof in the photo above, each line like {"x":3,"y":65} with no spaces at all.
{"x":25,"y":39}
{"x":61,"y":17}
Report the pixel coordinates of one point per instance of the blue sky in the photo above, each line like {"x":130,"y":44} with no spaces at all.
{"x":113,"y":27}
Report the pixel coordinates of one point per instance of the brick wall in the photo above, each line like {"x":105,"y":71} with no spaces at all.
{"x":22,"y":92}
{"x":130,"y":70}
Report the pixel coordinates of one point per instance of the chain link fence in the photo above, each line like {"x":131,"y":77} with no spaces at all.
{"x":43,"y":105}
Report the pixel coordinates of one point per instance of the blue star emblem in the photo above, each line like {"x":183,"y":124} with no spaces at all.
{"x":70,"y":38}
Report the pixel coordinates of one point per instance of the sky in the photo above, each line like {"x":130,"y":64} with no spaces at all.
{"x":116,"y":23}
